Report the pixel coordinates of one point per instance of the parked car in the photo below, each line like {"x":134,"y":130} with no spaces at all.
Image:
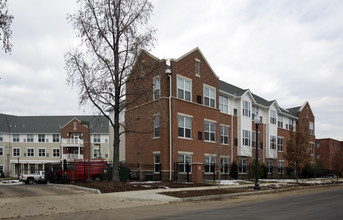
{"x":38,"y":177}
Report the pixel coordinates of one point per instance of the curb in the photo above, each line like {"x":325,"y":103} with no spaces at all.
{"x":91,"y":190}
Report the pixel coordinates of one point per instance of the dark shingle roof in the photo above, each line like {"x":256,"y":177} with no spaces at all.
{"x":294,"y":111}
{"x":49,"y":124}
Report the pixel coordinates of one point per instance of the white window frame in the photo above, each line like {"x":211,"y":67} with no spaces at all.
{"x":224,"y":135}
{"x":246,"y":108}
{"x":223,"y":104}
{"x":96,"y":138}
{"x":157,"y":161}
{"x":280,"y":145}
{"x":30,"y":152}
{"x":96,"y":152}
{"x":16,"y":138}
{"x":156,"y":121}
{"x":242,"y":165}
{"x":197,"y":67}
{"x":182,"y":89}
{"x":41,"y":138}
{"x":224,"y":160}
{"x":311,"y":148}
{"x":272,"y":117}
{"x":183,"y":123}
{"x":156,"y":87}
{"x":185,"y":158}
{"x":1,"y":137}
{"x":269,"y":166}
{"x":17,"y":153}
{"x":55,"y":138}
{"x":280,"y":121}
{"x":210,"y":162}
{"x":272,"y":142}
{"x":29,"y":138}
{"x":209,"y":96}
{"x":281,"y":166}
{"x":54,"y":154}
{"x":311,"y":128}
{"x":254,"y":112}
{"x":246,"y":138}
{"x":41,"y":152}
{"x":210,"y":131}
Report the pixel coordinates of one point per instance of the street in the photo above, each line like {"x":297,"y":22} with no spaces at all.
{"x":314,"y":203}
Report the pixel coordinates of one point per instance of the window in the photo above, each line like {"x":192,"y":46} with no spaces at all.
{"x":254,"y":112}
{"x":1,"y":151}
{"x":184,"y":88}
{"x":253,"y":139}
{"x":246,"y":138}
{"x":197,"y":67}
{"x":242,"y":168}
{"x":280,"y":166}
{"x":224,"y":104}
{"x":157,"y":163}
{"x":41,"y":138}
{"x":273,"y":117}
{"x":311,"y":148}
{"x":184,"y":126}
{"x":156,"y":88}
{"x":224,"y":134}
{"x":55,"y":138}
{"x":311,"y":128}
{"x":96,"y":138}
{"x":318,"y":145}
{"x":41,"y":152}
{"x":272,"y":142}
{"x":290,"y":124}
{"x":185,"y":163}
{"x":224,"y":165}
{"x":29,"y":138}
{"x":96,"y":153}
{"x":16,"y":152}
{"x":210,"y":164}
{"x":280,"y":121}
{"x":156,"y":126}
{"x":56,"y":152}
{"x":318,"y":156}
{"x":1,"y":137}
{"x":209,"y":97}
{"x":246,"y":108}
{"x":269,"y":166}
{"x":15,"y":137}
{"x":210,"y":131}
{"x":30,"y":152}
{"x":1,"y":168}
{"x":280,"y":144}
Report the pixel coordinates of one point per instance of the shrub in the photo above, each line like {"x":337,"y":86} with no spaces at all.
{"x":234,"y":170}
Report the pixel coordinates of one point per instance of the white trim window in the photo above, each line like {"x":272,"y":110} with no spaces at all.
{"x":253,"y":139}
{"x":156,"y":87}
{"x":246,"y":108}
{"x":273,"y":117}
{"x":280,"y":121}
{"x":224,"y":134}
{"x":197,"y":67}
{"x":41,"y":152}
{"x":183,"y":160}
{"x":280,"y":144}
{"x":41,"y":137}
{"x":210,"y":131}
{"x":272,"y":142}
{"x":55,"y":138}
{"x":311,"y":128}
{"x":242,"y":165}
{"x":210,"y":163}
{"x":1,"y":151}
{"x":209,"y":96}
{"x":224,"y":164}
{"x":254,"y":112}
{"x":184,"y":126}
{"x":30,"y":152}
{"x":184,"y":88}
{"x":15,"y":138}
{"x":29,"y":138}
{"x":246,"y":138}
{"x":1,"y":137}
{"x":96,"y":153}
{"x":280,"y":166}
{"x":269,"y":166}
{"x":55,"y":152}
{"x":224,"y":104}
{"x":311,"y":148}
{"x":157,"y":163}
{"x":96,"y":138}
{"x":16,"y":152}
{"x":156,"y":126}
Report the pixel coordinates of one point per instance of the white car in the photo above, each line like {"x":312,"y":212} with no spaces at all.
{"x":38,"y":177}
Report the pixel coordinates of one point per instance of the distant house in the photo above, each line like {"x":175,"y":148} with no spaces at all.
{"x":326,"y":148}
{"x":191,"y":117}
{"x":28,"y":142}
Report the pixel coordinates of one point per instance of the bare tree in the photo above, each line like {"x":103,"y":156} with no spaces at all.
{"x":298,"y":146}
{"x":337,"y":163}
{"x":5,"y":23}
{"x":112,"y":33}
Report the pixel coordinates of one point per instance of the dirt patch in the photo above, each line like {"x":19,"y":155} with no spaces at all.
{"x":109,"y":187}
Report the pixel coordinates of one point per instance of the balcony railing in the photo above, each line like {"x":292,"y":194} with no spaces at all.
{"x":72,"y":156}
{"x":72,"y":142}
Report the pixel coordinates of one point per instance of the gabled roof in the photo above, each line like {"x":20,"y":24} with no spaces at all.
{"x":294,"y":111}
{"x":49,"y":124}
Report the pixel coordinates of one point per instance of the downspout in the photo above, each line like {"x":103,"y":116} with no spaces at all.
{"x":168,"y":72}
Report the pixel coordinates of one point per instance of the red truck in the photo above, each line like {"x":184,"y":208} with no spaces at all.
{"x":78,"y":170}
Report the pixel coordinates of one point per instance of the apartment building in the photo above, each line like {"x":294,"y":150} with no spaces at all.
{"x":191,"y":117}
{"x":326,"y":148}
{"x":28,"y":142}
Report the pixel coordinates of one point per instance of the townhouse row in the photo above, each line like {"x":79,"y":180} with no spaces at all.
{"x":196,"y":119}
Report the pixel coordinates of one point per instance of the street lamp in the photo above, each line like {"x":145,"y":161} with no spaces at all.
{"x":89,"y":148}
{"x":257,"y":121}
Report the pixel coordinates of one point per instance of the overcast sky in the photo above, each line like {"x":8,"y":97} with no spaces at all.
{"x":290,"y":51}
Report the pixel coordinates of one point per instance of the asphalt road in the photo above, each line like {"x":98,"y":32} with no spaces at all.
{"x":23,"y":190}
{"x":307,"y":204}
